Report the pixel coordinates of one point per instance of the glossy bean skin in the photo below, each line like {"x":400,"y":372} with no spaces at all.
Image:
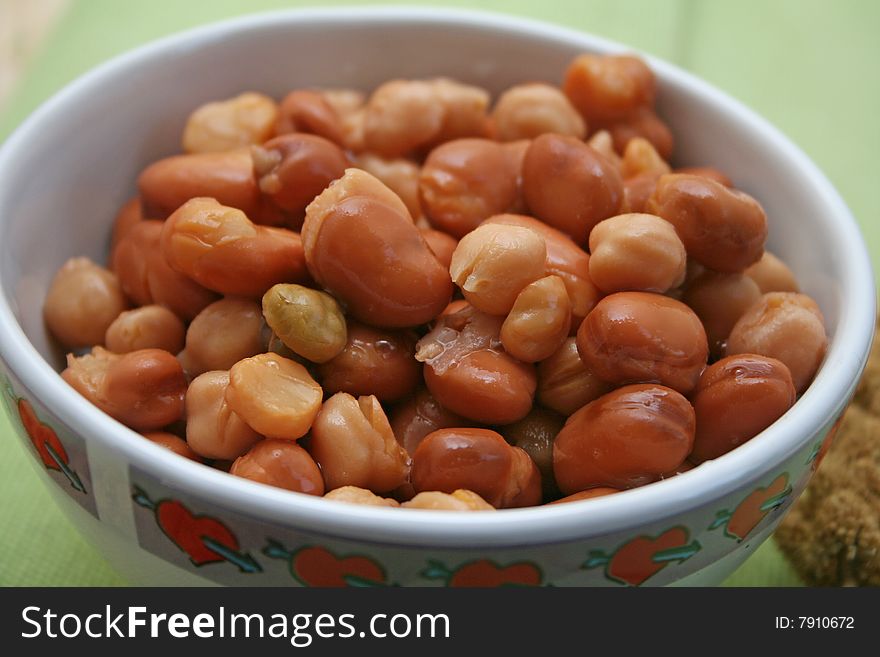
{"x":721,"y":228}
{"x":309,"y":111}
{"x":442,"y":245}
{"x":417,"y":416}
{"x":569,"y":185}
{"x":129,"y":215}
{"x":355,"y":233}
{"x":280,"y":463}
{"x":478,"y":460}
{"x":213,"y":429}
{"x":787,"y":326}
{"x":737,"y":398}
{"x":459,"y":500}
{"x":82,"y":302}
{"x":175,"y":444}
{"x":515,"y":152}
{"x":708,"y":172}
{"x":142,"y":389}
{"x":534,"y":434}
{"x":225,"y":332}
{"x":636,"y":192}
{"x":400,"y":175}
{"x":565,"y":383}
{"x":636,"y":252}
{"x":634,"y":337}
{"x":526,"y":111}
{"x":539,"y":321}
{"x":590,"y":493}
{"x":221,"y":249}
{"x":624,"y":439}
{"x":373,"y":362}
{"x":465,"y":181}
{"x":147,"y":327}
{"x":352,"y":441}
{"x":609,"y":87}
{"x":719,"y":301}
{"x":772,"y":275}
{"x":643,"y":123}
{"x":309,"y":322}
{"x":248,"y":118}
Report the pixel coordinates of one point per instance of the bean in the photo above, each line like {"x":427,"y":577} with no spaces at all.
{"x":225,"y":332}
{"x":82,"y":302}
{"x":719,"y":301}
{"x":459,"y":500}
{"x":309,"y":111}
{"x":626,"y":438}
{"x":633,"y":337}
{"x":640,"y":157}
{"x":602,"y":142}
{"x":129,"y":215}
{"x":539,"y":321}
{"x":526,"y":111}
{"x":441,"y":244}
{"x":534,"y":434}
{"x":643,"y":123}
{"x":737,"y":398}
{"x":565,"y":383}
{"x":282,"y":464}
{"x":636,"y":192}
{"x":309,"y":322}
{"x":355,"y":495}
{"x":171,"y":442}
{"x":515,"y":152}
{"x":248,"y":118}
{"x":147,"y":327}
{"x":590,"y":493}
{"x":609,"y":87}
{"x":354,"y":445}
{"x":772,"y":275}
{"x":212,"y":428}
{"x":708,"y":172}
{"x":417,"y":416}
{"x":400,"y":175}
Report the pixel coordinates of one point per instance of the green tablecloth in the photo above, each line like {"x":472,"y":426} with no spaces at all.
{"x":806,"y":65}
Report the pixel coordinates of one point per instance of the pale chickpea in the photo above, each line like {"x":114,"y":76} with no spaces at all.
{"x":772,"y":275}
{"x":353,"y":443}
{"x":602,"y":142}
{"x":274,"y":395}
{"x":565,"y":383}
{"x":608,"y":87}
{"x":227,"y":331}
{"x":356,"y":495}
{"x":213,"y":430}
{"x":640,"y":158}
{"x":525,"y":111}
{"x":539,"y":321}
{"x":458,"y":500}
{"x":400,"y":175}
{"x":280,"y":463}
{"x":720,"y":300}
{"x":642,"y":123}
{"x":786,"y":326}
{"x":174,"y":443}
{"x":309,"y":322}
{"x":248,"y":118}
{"x":82,"y":302}
{"x":146,"y":327}
{"x":494,"y":262}
{"x":636,"y":252}
{"x":348,"y":104}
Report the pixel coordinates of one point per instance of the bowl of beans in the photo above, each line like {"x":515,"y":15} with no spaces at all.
{"x":420,"y":297}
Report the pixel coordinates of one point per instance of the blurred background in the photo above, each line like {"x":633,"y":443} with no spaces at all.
{"x":806,"y":65}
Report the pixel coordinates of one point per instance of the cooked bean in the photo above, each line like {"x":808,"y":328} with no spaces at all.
{"x":526,"y":111}
{"x":355,"y":495}
{"x":212,"y":428}
{"x":354,"y":445}
{"x":590,"y":493}
{"x":645,"y":124}
{"x":707,"y":172}
{"x":534,"y":434}
{"x":459,"y":500}
{"x":565,"y":383}
{"x":400,"y":175}
{"x":129,"y":215}
{"x":786,"y":326}
{"x":280,"y":463}
{"x":737,"y":398}
{"x":82,"y":302}
{"x":310,"y":322}
{"x":719,"y":301}
{"x":607,"y":87}
{"x":539,"y":321}
{"x":515,"y":152}
{"x":225,"y":332}
{"x":640,"y":158}
{"x":309,"y":111}
{"x":602,"y":142}
{"x":148,"y":327}
{"x":417,"y":416}
{"x":569,"y":185}
{"x":478,"y":460}
{"x":626,"y":438}
{"x":636,"y":192}
{"x":173,"y":443}
{"x":772,"y":275}
{"x":441,"y":244}
{"x":633,"y":337}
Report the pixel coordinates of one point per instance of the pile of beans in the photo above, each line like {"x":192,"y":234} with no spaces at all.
{"x":422,"y":299}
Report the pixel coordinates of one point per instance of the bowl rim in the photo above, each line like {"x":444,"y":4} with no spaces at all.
{"x":825,"y":399}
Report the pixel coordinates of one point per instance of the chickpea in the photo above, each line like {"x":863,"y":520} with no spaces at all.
{"x":142,"y":389}
{"x":609,"y":87}
{"x":362,"y":246}
{"x":400,"y":175}
{"x":494,"y":262}
{"x":373,"y":362}
{"x":633,"y":337}
{"x":465,"y":181}
{"x":129,"y":215}
{"x":636,"y":252}
{"x":719,"y":301}
{"x":602,"y":142}
{"x":640,"y":157}
{"x":534,"y":434}
{"x":354,"y":445}
{"x":525,"y":111}
{"x":459,"y":500}
{"x":355,"y":495}
{"x":539,"y":321}
{"x":636,"y":192}
{"x":309,"y":322}
{"x":737,"y":398}
{"x":309,"y":111}
{"x":707,"y":172}
{"x":624,"y":439}
{"x":478,"y":460}
{"x":565,"y":383}
{"x":772,"y":275}
{"x":225,"y":332}
{"x":221,"y":249}
{"x":441,"y":244}
{"x":590,"y":493}
{"x":721,"y":228}
{"x":282,"y":464}
{"x":148,"y":327}
{"x":227,"y":177}
{"x":643,"y":123}
{"x":213,"y":430}
{"x":248,"y":118}
{"x":344,"y":101}
{"x":173,"y":443}
{"x":465,"y":110}
{"x":417,"y":416}
{"x":569,"y":185}
{"x":276,"y":396}
{"x":786,"y":326}
{"x":82,"y":302}
{"x":293,"y":169}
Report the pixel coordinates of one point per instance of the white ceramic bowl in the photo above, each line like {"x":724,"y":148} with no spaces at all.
{"x":162,"y":519}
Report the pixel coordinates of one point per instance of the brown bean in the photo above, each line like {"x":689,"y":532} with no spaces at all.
{"x":129,"y":215}
{"x":417,"y":416}
{"x":400,"y":175}
{"x":539,"y":321}
{"x":624,"y":439}
{"x":707,"y":172}
{"x":719,"y":301}
{"x":307,"y":321}
{"x":590,"y":493}
{"x":534,"y":434}
{"x":225,"y":332}
{"x":354,"y":445}
{"x":309,"y":111}
{"x":221,"y":249}
{"x":633,"y":337}
{"x":786,"y":326}
{"x":282,"y":464}
{"x":459,"y":500}
{"x":737,"y":398}
{"x":643,"y":123}
{"x":565,"y":383}
{"x":569,"y":185}
{"x":515,"y":152}
{"x":355,"y":233}
{"x":609,"y":86}
{"x":442,"y":245}
{"x":212,"y":428}
{"x":356,"y":495}
{"x":373,"y":362}
{"x":173,"y":443}
{"x":478,"y":460}
{"x":82,"y":302}
{"x":525,"y":111}
{"x":772,"y":275}
{"x":147,"y":327}
{"x":721,"y":228}
{"x":637,"y":191}
{"x":248,"y":118}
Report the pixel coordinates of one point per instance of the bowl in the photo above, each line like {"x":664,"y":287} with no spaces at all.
{"x":161,"y":519}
